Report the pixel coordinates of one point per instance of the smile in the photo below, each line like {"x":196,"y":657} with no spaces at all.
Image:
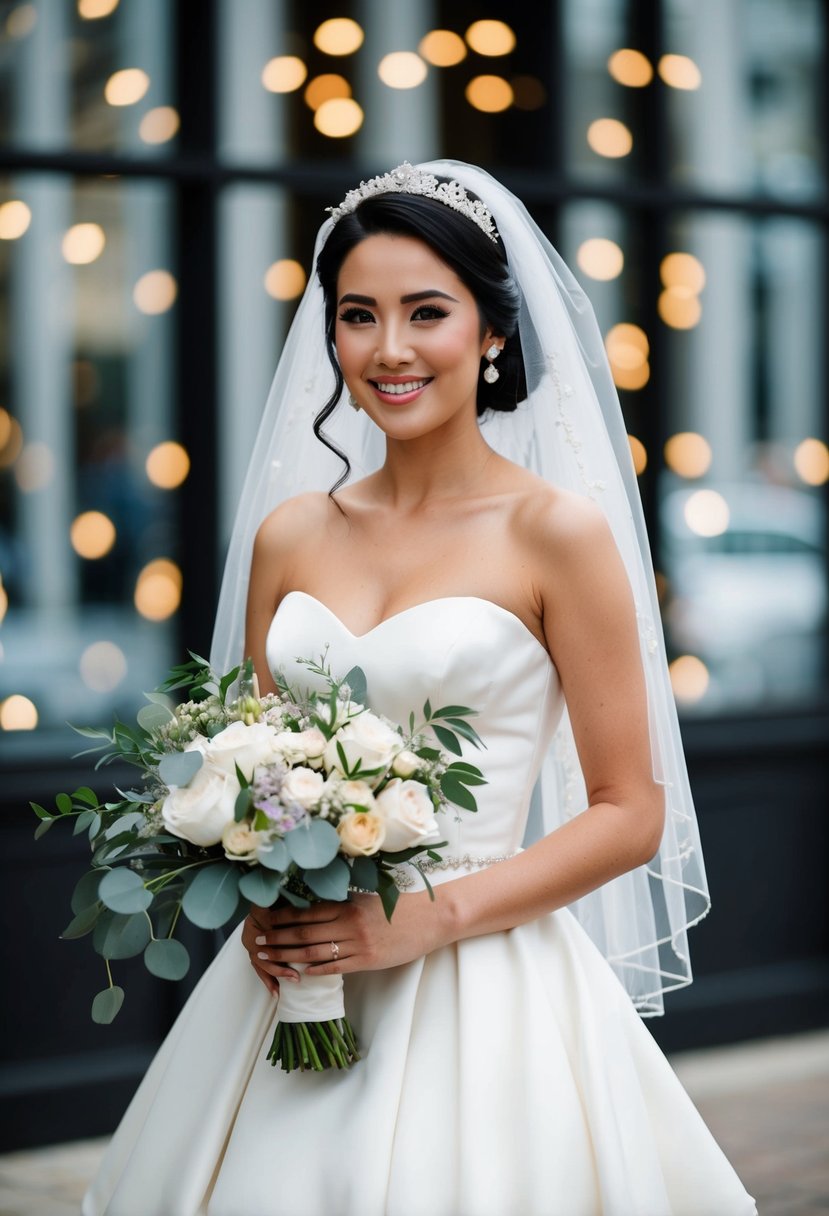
{"x":405,"y":390}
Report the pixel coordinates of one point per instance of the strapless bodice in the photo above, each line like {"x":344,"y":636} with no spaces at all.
{"x":458,"y":650}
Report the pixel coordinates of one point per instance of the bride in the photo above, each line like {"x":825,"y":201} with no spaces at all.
{"x":484,"y":545}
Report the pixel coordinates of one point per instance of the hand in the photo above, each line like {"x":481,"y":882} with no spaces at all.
{"x":258,"y":921}
{"x":366,"y":940}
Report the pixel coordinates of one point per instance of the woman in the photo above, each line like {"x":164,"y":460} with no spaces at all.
{"x":505,"y":1069}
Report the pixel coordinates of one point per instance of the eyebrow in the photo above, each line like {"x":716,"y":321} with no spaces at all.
{"x":351,"y":298}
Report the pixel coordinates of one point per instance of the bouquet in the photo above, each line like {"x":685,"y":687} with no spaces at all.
{"x":297,"y":795}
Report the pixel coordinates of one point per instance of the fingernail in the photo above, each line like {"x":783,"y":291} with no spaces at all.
{"x":260,"y":941}
{"x":294,"y":979}
{"x":261,"y":954}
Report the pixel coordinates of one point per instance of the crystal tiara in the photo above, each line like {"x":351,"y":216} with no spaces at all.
{"x":406,"y":179}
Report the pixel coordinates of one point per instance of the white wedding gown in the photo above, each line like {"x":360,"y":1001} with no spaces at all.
{"x":505,"y":1075}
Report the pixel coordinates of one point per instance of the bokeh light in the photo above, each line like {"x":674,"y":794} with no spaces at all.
{"x":21,"y":21}
{"x":811,"y":460}
{"x":682,"y":270}
{"x":83,"y":243}
{"x":158,"y":589}
{"x":627,"y":349}
{"x":103,"y":666}
{"x":285,"y":279}
{"x":528,"y":93}
{"x":15,"y":218}
{"x":679,"y":72}
{"x":18,"y":713}
{"x":93,"y":10}
{"x":126,"y":87}
{"x":600,"y":258}
{"x":339,"y":117}
{"x":284,"y":74}
{"x":155,"y":292}
{"x":490,"y":37}
{"x":630,"y":68}
{"x":338,"y":36}
{"x":639,"y":454}
{"x":679,"y":308}
{"x":167,"y":465}
{"x":688,"y":454}
{"x":159,"y":124}
{"x":326,"y":88}
{"x":442,"y":48}
{"x":402,"y":70}
{"x":35,"y":467}
{"x":689,"y":678}
{"x":706,"y":513}
{"x":11,"y":439}
{"x":491,"y":94}
{"x":609,"y":137}
{"x":92,"y":534}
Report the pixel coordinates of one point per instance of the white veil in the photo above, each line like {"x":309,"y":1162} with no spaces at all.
{"x":569,"y":430}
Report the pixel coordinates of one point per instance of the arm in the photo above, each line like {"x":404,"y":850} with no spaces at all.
{"x":590,"y":627}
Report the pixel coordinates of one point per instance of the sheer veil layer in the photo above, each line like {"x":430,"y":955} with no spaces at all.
{"x":570,"y":431}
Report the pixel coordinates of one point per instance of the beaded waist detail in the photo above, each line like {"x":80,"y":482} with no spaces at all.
{"x":404,"y":876}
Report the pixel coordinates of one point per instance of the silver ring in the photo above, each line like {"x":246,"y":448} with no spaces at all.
{"x":335,"y":950}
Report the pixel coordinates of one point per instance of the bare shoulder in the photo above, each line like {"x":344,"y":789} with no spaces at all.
{"x":555,"y":523}
{"x":294,"y":521}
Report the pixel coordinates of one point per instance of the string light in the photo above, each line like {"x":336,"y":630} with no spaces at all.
{"x":609,"y":137}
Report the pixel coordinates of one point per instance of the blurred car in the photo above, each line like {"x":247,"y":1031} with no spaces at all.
{"x":750,"y":600}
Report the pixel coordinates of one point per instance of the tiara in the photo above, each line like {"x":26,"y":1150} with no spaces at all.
{"x":406,"y":179}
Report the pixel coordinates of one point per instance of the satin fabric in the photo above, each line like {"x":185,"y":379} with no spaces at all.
{"x":504,"y":1075}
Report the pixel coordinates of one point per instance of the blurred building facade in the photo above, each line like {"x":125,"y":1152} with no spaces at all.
{"x":163,"y":170}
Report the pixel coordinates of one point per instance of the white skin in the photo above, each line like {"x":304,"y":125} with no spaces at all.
{"x":466,"y":522}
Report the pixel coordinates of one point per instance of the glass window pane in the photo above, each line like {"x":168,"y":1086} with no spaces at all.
{"x":89,"y":470}
{"x":94,"y":75}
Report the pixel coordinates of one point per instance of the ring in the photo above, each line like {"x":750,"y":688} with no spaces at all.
{"x":335,"y":950}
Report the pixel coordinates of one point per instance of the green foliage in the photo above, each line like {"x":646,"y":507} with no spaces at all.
{"x":106,"y":1005}
{"x":168,"y":959}
{"x":213,"y":896}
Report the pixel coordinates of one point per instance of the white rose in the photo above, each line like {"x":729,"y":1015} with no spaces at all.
{"x":366,"y":739}
{"x":408,"y":814}
{"x":355,"y":793}
{"x":244,"y":745}
{"x":296,"y":745}
{"x":200,"y":811}
{"x":361,"y":833}
{"x":343,"y":710}
{"x":241,"y":842}
{"x":406,"y":763}
{"x":302,"y":785}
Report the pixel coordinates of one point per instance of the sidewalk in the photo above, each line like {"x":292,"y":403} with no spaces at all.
{"x":767,"y":1104}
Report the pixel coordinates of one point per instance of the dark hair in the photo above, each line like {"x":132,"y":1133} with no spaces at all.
{"x":479,"y":262}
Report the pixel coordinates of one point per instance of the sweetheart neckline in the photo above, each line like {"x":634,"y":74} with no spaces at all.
{"x":439,"y":599}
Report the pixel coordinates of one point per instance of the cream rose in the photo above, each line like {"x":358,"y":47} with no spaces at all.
{"x":406,"y":763}
{"x":302,"y":785}
{"x":408,"y":814}
{"x":200,"y":811}
{"x":244,"y":745}
{"x":240,"y":842}
{"x":361,"y":833}
{"x":296,"y":745}
{"x":367,"y":739}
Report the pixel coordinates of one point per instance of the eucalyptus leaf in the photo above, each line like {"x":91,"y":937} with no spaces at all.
{"x":356,"y":681}
{"x":275,"y":857}
{"x":86,"y":891}
{"x":364,"y":874}
{"x":242,"y":805}
{"x":298,"y":901}
{"x":124,"y":823}
{"x":64,"y":804}
{"x":118,"y":936}
{"x":179,"y":768}
{"x":153,"y":717}
{"x":260,"y":886}
{"x":123,"y":890}
{"x":43,"y":827}
{"x":84,"y":794}
{"x":158,"y":698}
{"x":213,"y":896}
{"x":83,"y":821}
{"x":313,"y":844}
{"x":83,"y":923}
{"x":40,"y":811}
{"x":167,"y":958}
{"x":330,"y":882}
{"x":106,"y":1005}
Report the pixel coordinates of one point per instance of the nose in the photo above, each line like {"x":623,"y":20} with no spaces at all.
{"x":393,"y":347}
